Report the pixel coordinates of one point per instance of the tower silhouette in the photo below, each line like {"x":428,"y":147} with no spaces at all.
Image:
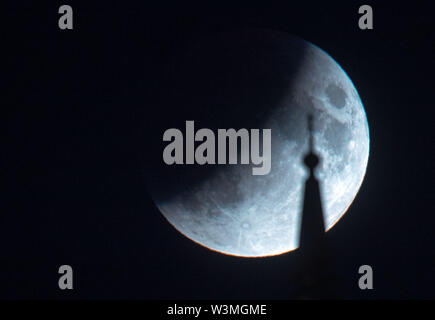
{"x":314,"y":275}
{"x":312,"y":232}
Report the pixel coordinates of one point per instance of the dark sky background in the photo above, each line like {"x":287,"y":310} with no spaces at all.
{"x":76,"y":108}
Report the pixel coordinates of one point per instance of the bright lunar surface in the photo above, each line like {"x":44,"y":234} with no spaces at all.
{"x":237,"y":213}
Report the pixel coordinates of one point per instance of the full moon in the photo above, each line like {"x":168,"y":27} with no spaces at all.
{"x":263,"y":79}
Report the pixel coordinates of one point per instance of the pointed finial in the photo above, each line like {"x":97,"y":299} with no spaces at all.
{"x":310,"y":130}
{"x":311,"y":159}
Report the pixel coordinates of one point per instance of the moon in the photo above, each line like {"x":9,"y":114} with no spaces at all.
{"x":274,"y":80}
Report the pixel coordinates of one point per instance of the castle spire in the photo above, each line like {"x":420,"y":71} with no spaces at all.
{"x":312,"y":226}
{"x":312,"y":240}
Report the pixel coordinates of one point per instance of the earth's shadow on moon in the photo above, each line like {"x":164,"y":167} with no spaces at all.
{"x":227,"y":80}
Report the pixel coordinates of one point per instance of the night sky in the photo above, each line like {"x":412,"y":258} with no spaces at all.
{"x":77,"y":111}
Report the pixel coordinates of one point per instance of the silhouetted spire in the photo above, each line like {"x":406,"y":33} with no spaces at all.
{"x":312,"y":241}
{"x":312,"y":225}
